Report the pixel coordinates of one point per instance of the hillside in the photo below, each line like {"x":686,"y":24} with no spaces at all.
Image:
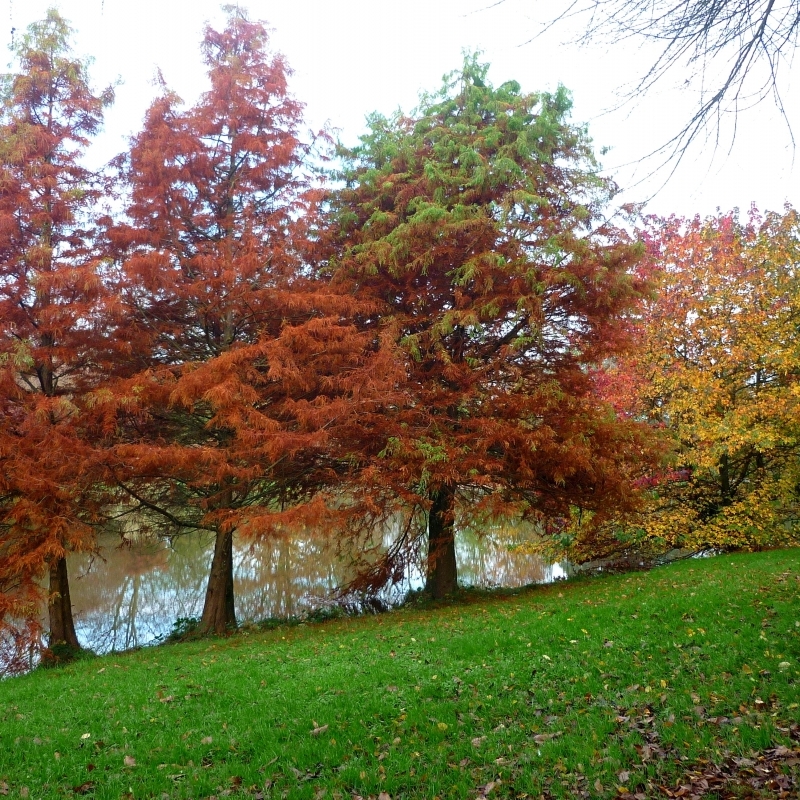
{"x":621,"y":686}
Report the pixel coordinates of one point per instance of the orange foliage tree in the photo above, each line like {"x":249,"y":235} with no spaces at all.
{"x":51,"y":293}
{"x":245,"y":367}
{"x":477,"y":226}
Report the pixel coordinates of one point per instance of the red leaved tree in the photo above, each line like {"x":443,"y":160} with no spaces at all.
{"x":246,"y":367}
{"x":477,"y":224}
{"x":50,"y":336}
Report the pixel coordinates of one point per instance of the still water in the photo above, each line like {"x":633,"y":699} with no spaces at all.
{"x":132,"y":595}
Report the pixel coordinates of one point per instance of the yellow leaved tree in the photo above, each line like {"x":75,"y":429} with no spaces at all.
{"x":719,"y":368}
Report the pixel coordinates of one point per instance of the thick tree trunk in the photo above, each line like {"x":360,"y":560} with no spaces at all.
{"x":62,"y":625}
{"x":442,"y":577}
{"x":219,"y":613}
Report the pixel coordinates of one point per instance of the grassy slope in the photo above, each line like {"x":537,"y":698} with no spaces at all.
{"x":633,"y":673}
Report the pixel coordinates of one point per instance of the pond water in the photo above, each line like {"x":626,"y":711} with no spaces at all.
{"x":133,"y":595}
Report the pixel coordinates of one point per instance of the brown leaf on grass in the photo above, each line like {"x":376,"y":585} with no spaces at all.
{"x":167,"y":699}
{"x":598,"y":787}
{"x":310,"y":775}
{"x":546,"y":737}
{"x":478,"y":741}
{"x":320,"y":729}
{"x":624,"y":776}
{"x":130,"y":761}
{"x":3,"y":787}
{"x":762,"y":773}
{"x":84,"y":788}
{"x":207,"y":740}
{"x":483,"y":791}
{"x":384,"y":796}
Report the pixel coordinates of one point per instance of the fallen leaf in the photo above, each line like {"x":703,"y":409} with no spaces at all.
{"x":319,"y":730}
{"x":86,"y":735}
{"x":384,"y":796}
{"x":546,"y":737}
{"x":478,"y":741}
{"x":84,"y":788}
{"x":623,"y":776}
{"x":598,"y":786}
{"x":207,"y":740}
{"x":3,"y":787}
{"x":130,"y":761}
{"x":167,"y":699}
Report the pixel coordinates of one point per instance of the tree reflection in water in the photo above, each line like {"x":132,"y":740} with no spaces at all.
{"x":132,"y":595}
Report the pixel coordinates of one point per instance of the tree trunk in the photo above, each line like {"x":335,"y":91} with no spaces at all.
{"x":62,"y":625}
{"x":442,"y":577}
{"x":725,"y":479}
{"x":219,"y":613}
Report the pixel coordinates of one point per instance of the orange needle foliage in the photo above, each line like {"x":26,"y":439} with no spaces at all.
{"x":246,"y":367}
{"x":477,"y":225}
{"x":51,"y":337}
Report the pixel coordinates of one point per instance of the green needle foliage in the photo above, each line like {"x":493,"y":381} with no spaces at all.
{"x":611,"y":686}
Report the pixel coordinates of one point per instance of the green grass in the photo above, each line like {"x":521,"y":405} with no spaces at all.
{"x":553,"y":690}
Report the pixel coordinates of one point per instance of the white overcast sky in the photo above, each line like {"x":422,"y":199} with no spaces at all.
{"x":351,"y":57}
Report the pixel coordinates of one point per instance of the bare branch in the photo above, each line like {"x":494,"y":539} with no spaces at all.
{"x":743,"y":40}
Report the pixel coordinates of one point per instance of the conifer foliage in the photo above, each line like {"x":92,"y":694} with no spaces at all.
{"x":244,"y":364}
{"x":241,"y":352}
{"x":51,"y":337}
{"x":477,"y":224}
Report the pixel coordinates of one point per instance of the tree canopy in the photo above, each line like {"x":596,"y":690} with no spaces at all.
{"x":476,"y":223}
{"x":245,"y":367}
{"x":718,"y":366}
{"x":51,"y":309}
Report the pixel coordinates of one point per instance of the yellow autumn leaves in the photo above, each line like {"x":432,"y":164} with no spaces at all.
{"x":717,"y":366}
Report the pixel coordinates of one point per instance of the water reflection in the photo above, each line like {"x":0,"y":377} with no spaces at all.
{"x":129,"y":596}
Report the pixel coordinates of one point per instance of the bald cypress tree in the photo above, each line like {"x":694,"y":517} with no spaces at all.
{"x":51,"y":290}
{"x":477,"y":226}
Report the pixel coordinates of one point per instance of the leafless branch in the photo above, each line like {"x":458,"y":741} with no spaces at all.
{"x":736,"y":49}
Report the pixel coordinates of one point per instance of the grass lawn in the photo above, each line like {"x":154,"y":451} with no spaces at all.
{"x":621,"y":686}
